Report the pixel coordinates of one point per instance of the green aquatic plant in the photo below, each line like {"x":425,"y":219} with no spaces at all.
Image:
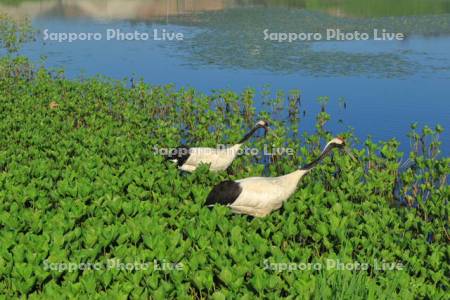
{"x":14,"y":33}
{"x":85,"y":200}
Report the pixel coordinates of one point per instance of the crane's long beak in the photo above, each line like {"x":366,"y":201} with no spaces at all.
{"x":349,"y":153}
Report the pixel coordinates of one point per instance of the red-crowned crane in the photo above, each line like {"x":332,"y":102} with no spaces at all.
{"x":188,"y":159}
{"x":259,"y":196}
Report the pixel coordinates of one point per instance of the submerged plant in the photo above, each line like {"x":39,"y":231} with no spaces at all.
{"x":14,"y":33}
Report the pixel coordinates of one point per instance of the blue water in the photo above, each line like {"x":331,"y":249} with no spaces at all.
{"x":386,"y":85}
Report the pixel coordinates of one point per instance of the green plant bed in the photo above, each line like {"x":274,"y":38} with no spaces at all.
{"x":80,"y":183}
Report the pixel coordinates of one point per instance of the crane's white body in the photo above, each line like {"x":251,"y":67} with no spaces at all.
{"x":261,"y":195}
{"x":218,"y":159}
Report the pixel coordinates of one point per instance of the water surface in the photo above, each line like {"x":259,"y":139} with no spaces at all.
{"x":386,"y":85}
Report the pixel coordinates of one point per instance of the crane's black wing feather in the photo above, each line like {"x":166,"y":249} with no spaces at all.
{"x":224,"y":193}
{"x":180,"y":153}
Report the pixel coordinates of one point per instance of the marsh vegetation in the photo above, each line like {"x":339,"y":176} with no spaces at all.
{"x":80,"y":183}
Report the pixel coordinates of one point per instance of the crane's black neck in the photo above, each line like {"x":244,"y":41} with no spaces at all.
{"x":324,"y":154}
{"x":249,"y":134}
